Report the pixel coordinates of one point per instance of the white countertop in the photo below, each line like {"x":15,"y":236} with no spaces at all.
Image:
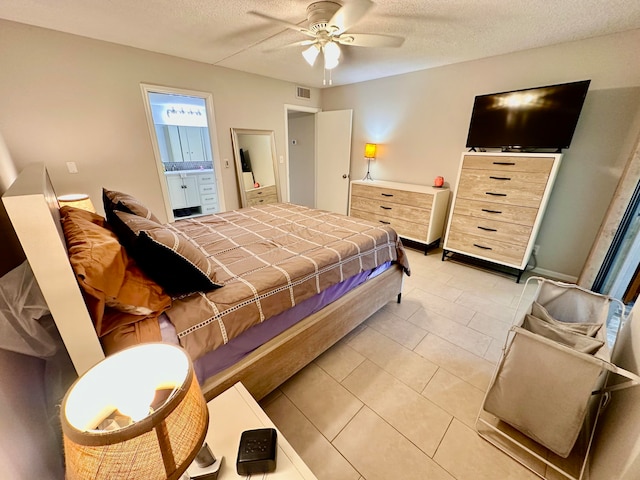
{"x":198,"y":170}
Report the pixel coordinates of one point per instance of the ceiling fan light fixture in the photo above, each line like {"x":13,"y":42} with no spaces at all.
{"x":331,"y":52}
{"x":310,"y":54}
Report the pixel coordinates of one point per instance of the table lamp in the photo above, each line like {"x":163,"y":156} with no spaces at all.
{"x":369,"y":154}
{"x":77,"y":200}
{"x":139,"y":413}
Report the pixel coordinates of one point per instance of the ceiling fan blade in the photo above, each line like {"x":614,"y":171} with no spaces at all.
{"x":349,"y":14}
{"x":303,"y":43}
{"x":369,"y":40}
{"x":284,"y":23}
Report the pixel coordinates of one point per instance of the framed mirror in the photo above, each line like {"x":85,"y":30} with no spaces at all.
{"x":256,"y":166}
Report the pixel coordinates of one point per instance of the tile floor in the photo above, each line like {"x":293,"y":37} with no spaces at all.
{"x":398,"y":397}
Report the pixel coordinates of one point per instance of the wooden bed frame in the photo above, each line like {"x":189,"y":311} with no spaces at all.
{"x":32,"y":207}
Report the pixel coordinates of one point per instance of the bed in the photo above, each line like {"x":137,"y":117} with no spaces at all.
{"x":378,"y":269}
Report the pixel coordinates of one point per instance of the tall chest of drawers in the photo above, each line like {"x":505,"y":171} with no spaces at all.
{"x":498,"y":206}
{"x":416,"y":212}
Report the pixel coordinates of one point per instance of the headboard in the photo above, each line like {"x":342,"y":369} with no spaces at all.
{"x":32,"y":207}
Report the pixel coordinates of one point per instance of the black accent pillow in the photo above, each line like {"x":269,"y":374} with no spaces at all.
{"x":166,"y":255}
{"x":124,"y":202}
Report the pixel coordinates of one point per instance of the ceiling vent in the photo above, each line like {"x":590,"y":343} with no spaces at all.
{"x":303,"y":92}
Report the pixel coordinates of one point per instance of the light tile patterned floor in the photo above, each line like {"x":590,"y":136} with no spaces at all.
{"x":398,"y":397}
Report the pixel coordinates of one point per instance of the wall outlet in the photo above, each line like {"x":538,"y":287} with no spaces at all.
{"x":536,"y":249}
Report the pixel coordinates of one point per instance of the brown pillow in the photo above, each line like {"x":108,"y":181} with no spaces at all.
{"x":125,"y":203}
{"x":167,"y":256}
{"x":106,"y":274}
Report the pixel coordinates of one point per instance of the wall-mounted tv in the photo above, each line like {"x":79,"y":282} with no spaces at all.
{"x":533,"y":118}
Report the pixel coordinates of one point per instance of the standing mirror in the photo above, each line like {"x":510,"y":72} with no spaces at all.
{"x":256,"y":166}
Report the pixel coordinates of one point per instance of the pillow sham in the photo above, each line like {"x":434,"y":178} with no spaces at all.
{"x":589,"y":329}
{"x":167,"y":256}
{"x":126,"y":203}
{"x":107,"y":276}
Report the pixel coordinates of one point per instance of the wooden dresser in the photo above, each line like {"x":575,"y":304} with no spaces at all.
{"x":498,"y":206}
{"x":415,"y":212}
{"x":262,"y":195}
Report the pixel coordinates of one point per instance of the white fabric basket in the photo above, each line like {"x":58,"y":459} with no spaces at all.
{"x":544,"y":388}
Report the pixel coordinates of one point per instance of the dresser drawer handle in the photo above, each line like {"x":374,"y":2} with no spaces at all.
{"x":387,"y":194}
{"x":499,"y":178}
{"x":496,"y":194}
{"x":487,"y":229}
{"x":259,"y":193}
{"x":504,"y":163}
{"x":386,"y":223}
{"x":385,"y":208}
{"x":491,"y":211}
{"x":482,"y":247}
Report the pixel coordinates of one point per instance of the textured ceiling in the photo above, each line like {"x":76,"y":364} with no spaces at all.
{"x":437,"y":32}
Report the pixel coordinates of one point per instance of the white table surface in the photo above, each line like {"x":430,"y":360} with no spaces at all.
{"x":235,"y":411}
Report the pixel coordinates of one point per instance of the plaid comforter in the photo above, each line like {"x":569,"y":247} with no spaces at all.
{"x":269,"y":258}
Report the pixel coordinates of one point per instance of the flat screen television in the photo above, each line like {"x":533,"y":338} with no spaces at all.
{"x":533,"y":118}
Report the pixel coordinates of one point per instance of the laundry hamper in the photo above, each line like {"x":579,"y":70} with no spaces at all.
{"x":549,"y":384}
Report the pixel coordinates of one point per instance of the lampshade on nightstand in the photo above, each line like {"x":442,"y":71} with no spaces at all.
{"x":77,"y":200}
{"x":369,"y":154}
{"x":138,"y":414}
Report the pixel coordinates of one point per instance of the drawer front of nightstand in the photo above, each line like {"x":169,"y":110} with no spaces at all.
{"x":510,"y":164}
{"x":390,"y":195}
{"x":481,"y":247}
{"x":403,"y":228}
{"x":491,"y":229}
{"x":496,"y":211}
{"x":525,"y":189}
{"x":389,"y":209}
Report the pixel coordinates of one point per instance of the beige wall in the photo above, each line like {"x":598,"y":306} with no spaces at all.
{"x":421,"y":124}
{"x":71,"y":99}
{"x":302,"y":159}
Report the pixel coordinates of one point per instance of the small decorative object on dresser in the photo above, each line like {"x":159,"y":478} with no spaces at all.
{"x":498,"y":206}
{"x":416,"y":212}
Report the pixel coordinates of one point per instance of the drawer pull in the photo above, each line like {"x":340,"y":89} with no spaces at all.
{"x":504,"y":163}
{"x":259,"y":193}
{"x":482,"y":247}
{"x":387,"y":194}
{"x":491,"y":211}
{"x":385,"y":208}
{"x":386,"y":223}
{"x":496,"y":194}
{"x":487,"y":229}
{"x":499,"y":178}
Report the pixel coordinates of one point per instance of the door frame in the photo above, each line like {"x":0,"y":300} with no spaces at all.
{"x":147,"y":88}
{"x":295,"y":108}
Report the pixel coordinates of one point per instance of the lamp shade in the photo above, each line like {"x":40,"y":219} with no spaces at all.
{"x":370,"y":150}
{"x":139,"y":413}
{"x":77,"y":200}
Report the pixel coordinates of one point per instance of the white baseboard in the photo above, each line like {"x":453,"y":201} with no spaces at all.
{"x":555,"y":275}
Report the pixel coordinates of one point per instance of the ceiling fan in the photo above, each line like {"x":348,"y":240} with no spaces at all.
{"x":328,"y":23}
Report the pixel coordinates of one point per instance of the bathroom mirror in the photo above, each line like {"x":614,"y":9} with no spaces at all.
{"x":256,"y":166}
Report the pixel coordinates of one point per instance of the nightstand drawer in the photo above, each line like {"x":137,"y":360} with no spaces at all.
{"x":262,"y":200}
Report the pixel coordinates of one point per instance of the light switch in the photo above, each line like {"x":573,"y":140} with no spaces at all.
{"x":72,"y":167}
{"x":226,"y":163}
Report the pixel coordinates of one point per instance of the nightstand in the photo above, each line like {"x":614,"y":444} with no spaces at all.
{"x":234,"y":411}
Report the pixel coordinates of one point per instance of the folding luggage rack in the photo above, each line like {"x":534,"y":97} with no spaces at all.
{"x":552,"y":381}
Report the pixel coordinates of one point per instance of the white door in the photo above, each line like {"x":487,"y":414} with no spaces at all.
{"x":333,"y":160}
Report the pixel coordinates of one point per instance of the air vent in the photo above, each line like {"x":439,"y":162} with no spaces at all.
{"x":303,"y":92}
